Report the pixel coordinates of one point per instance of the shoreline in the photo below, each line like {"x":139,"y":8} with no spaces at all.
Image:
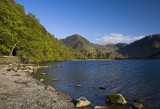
{"x":19,"y":90}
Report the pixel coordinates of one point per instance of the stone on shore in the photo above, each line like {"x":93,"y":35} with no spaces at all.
{"x":50,"y":88}
{"x":138,"y":105}
{"x":25,"y":92}
{"x":41,"y":80}
{"x":102,"y":88}
{"x":42,"y":73}
{"x":116,"y":99}
{"x":78,"y":85}
{"x":101,"y":107}
{"x":30,"y":71}
{"x":16,"y":75}
{"x":21,"y":81}
{"x":30,"y":67}
{"x":82,"y":102}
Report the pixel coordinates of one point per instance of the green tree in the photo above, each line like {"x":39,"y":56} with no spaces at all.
{"x":34,"y":42}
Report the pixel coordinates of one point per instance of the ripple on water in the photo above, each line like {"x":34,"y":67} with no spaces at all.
{"x":133,"y":78}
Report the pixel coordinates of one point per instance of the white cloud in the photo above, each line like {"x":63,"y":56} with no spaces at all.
{"x":114,"y":38}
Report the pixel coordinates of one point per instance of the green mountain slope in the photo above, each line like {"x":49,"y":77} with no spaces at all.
{"x":78,"y":42}
{"x":84,"y":49}
{"x":33,"y":42}
{"x":147,"y":47}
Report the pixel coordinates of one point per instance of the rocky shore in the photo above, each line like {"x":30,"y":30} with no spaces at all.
{"x":18,"y":90}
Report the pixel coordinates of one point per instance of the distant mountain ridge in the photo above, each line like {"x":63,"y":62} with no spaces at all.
{"x":147,"y":47}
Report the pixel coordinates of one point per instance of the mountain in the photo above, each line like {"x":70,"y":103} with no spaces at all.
{"x":78,"y":42}
{"x":147,"y":47}
{"x":23,"y":35}
{"x":90,"y":50}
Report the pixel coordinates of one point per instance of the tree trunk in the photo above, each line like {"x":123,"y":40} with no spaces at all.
{"x":13,"y":49}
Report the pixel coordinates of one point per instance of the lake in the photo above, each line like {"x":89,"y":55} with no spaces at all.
{"x":136,"y":79}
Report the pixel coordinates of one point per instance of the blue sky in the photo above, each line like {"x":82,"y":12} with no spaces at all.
{"x":100,"y":21}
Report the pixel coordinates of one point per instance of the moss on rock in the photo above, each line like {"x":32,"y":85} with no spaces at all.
{"x":116,"y":99}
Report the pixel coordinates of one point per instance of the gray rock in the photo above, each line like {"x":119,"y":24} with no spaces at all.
{"x":116,"y":99}
{"x":102,"y":88}
{"x":82,"y":102}
{"x":30,"y":71}
{"x":21,"y":81}
{"x":42,"y":73}
{"x":101,"y":107}
{"x":50,"y":88}
{"x":41,"y":80}
{"x":16,"y":75}
{"x":29,"y":67}
{"x":26,"y":71}
{"x":78,"y":85}
{"x":138,"y":105}
{"x":25,"y":92}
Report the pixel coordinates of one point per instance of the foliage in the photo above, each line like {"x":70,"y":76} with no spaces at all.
{"x":34,"y":42}
{"x":83,"y":49}
{"x":92,"y":55}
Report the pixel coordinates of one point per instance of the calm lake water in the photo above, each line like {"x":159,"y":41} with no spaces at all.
{"x":138,"y":79}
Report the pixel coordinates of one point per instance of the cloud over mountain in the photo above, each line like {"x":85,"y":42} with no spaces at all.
{"x":114,"y":38}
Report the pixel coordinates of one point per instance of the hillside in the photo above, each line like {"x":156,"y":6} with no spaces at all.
{"x":85,"y":48}
{"x":22,"y":35}
{"x":148,"y":47}
{"x":78,"y":42}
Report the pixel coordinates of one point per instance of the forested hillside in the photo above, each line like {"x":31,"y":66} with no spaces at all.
{"x":145,"y":48}
{"x":84,"y":49}
{"x":22,"y":35}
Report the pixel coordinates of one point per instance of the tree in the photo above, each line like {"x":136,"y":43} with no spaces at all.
{"x":35,"y":43}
